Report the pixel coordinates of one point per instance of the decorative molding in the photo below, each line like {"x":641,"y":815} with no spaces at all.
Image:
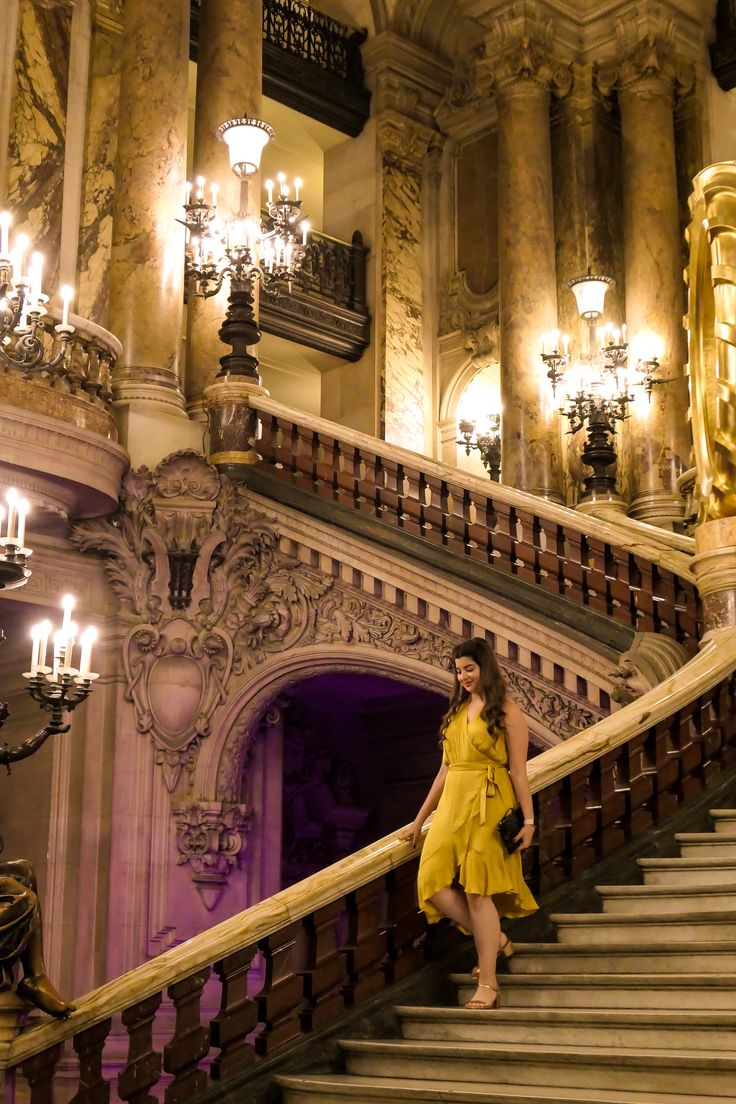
{"x":403,"y":141}
{"x":648,"y":66}
{"x":650,"y":660}
{"x":476,"y":316}
{"x":513,"y":61}
{"x":210,"y":837}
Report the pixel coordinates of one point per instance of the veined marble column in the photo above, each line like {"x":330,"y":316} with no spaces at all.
{"x":525,"y":78}
{"x":655,"y":295}
{"x":146,"y":292}
{"x":229,"y":78}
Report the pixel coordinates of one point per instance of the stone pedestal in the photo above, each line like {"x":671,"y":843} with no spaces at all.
{"x":655,"y":299}
{"x":229,"y":74}
{"x":146,"y":305}
{"x":525,"y":77}
{"x":233,"y":424}
{"x":714,"y":567}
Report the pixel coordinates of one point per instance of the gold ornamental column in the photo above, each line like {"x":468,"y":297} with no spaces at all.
{"x":660,"y":440}
{"x":229,"y":78}
{"x":146,"y":290}
{"x":525,"y":77}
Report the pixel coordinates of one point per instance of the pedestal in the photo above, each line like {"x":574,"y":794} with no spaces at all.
{"x":714,"y":567}
{"x":233,"y":424}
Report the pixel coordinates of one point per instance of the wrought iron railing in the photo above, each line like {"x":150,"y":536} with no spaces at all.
{"x":308,"y":34}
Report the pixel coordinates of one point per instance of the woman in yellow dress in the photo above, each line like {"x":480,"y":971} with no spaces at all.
{"x":465,"y":872}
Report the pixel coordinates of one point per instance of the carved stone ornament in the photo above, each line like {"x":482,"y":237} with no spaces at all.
{"x":652,"y":62}
{"x":476,"y":316}
{"x":524,"y":59}
{"x":210,"y":837}
{"x":403,"y":141}
{"x":650,"y":660}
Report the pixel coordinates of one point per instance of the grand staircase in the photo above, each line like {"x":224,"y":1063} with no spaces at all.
{"x":633,"y":1005}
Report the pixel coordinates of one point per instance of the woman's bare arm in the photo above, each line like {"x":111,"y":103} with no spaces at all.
{"x":517,"y":742}
{"x":431,"y":802}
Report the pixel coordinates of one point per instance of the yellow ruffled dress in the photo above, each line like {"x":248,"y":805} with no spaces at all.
{"x":463,"y":841}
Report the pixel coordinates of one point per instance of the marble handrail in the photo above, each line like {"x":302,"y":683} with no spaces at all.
{"x":715,"y":662}
{"x":678,"y":541}
{"x":641,"y":540}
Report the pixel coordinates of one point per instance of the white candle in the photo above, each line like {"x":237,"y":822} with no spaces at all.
{"x":214,"y":188}
{"x":86,"y":640}
{"x":200,"y":187}
{"x":544,"y":344}
{"x":36,"y":647}
{"x":565,"y":344}
{"x":297,"y":186}
{"x":45,"y":630}
{"x":69,"y":639}
{"x":67,"y":604}
{"x":305,"y":231}
{"x":5,"y":234}
{"x":59,"y":642}
{"x":281,"y":177}
{"x":623,"y":333}
{"x":23,"y":509}
{"x":12,"y":500}
{"x":67,"y":294}
{"x":2,"y":517}
{"x":187,"y":192}
{"x":269,"y":189}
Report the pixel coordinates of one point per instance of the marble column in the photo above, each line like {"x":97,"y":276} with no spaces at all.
{"x":403,"y":144}
{"x":229,"y":78}
{"x":525,"y":78}
{"x":146,"y":285}
{"x":655,"y":296}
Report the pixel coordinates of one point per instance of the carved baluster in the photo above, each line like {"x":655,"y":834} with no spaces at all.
{"x":280,"y":1000}
{"x":434,"y":527}
{"x":191,"y":1041}
{"x":143,"y":1068}
{"x":345,"y":476}
{"x":406,"y":928}
{"x":237,"y":1017}
{"x":366,"y":946}
{"x":325,"y":968}
{"x":526,"y":534}
{"x":499,"y":549}
{"x":89,"y":1045}
{"x":38,"y":1071}
{"x":597,"y":586}
{"x":326,"y":467}
{"x":366,"y":486}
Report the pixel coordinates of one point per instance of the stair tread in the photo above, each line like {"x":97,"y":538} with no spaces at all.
{"x":586,"y":1016}
{"x":599,"y":981}
{"x":688,"y":862}
{"x":722,"y":812}
{"x":691,"y":889}
{"x":705,"y":837}
{"x":602,"y":1055}
{"x":692,"y":948}
{"x":458,"y":1092}
{"x":641,"y":917}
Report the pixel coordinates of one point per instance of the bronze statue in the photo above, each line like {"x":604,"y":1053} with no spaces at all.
{"x":21,"y":939}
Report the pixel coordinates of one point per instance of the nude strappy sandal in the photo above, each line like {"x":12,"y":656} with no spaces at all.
{"x":485,"y":1005}
{"x":506,"y":949}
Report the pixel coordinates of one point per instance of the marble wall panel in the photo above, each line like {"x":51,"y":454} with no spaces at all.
{"x":476,"y":198}
{"x":403,"y":365}
{"x":36,"y":146}
{"x":98,"y":183}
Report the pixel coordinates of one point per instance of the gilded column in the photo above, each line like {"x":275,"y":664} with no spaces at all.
{"x":525,"y":77}
{"x":146,"y":286}
{"x":660,"y":440}
{"x":229,"y":78}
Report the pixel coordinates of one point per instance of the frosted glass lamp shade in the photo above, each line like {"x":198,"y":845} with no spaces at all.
{"x":245,"y":139}
{"x":590,"y":294}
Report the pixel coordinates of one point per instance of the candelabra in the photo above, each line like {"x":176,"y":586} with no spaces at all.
{"x":13,"y":556}
{"x":58,"y":688}
{"x":598,"y":413}
{"x":242,"y":249}
{"x":488,"y":444}
{"x":26,"y":331}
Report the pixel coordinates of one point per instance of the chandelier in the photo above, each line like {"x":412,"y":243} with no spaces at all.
{"x":488,"y":444}
{"x":240,"y":248}
{"x":13,"y":554}
{"x":29,"y":338}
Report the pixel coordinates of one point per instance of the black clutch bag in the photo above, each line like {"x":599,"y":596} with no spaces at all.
{"x":509,"y":826}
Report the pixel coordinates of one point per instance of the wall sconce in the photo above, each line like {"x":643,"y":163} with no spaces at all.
{"x":488,"y":444}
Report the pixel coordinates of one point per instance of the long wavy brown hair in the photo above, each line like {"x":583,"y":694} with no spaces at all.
{"x":492,"y":685}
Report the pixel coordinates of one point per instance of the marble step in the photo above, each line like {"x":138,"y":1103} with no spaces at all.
{"x":713,"y":871}
{"x":618,"y":928}
{"x":697,"y":992}
{"x":664,"y":900}
{"x":708,"y":1072}
{"x":629,"y":958}
{"x":724,"y":820}
{"x":676,"y":1030}
{"x":335,"y":1088}
{"x":707,"y":844}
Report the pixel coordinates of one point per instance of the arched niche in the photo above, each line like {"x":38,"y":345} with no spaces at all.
{"x":473,"y":392}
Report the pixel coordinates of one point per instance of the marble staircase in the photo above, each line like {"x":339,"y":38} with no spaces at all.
{"x":632,"y":1005}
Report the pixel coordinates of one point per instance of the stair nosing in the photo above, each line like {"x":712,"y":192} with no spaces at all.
{"x":609,"y":981}
{"x":635,"y":1017}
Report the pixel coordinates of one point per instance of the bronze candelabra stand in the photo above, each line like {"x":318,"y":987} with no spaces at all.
{"x":487,"y":444}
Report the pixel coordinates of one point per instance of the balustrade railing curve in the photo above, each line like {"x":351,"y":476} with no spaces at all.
{"x":343,"y":934}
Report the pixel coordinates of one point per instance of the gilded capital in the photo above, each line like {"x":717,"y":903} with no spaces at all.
{"x":403,"y":141}
{"x":651,"y":68}
{"x":525,"y":64}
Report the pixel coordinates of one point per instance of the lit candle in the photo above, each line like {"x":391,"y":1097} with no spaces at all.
{"x":281,"y":178}
{"x":59,"y":642}
{"x":67,"y":604}
{"x":2,"y":518}
{"x":565,"y":344}
{"x":86,"y":640}
{"x":616,"y":337}
{"x":23,"y":508}
{"x":305,"y":231}
{"x":200,"y":188}
{"x":269,"y":189}
{"x":67,"y":294}
{"x":187,"y":192}
{"x":297,"y":186}
{"x":69,"y":644}
{"x":45,"y":631}
{"x":12,"y":500}
{"x":36,"y":647}
{"x":623,"y":333}
{"x":214,"y":188}
{"x":5,"y":234}
{"x":544,"y":344}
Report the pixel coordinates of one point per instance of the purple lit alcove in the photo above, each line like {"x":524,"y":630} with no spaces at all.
{"x":359,"y":753}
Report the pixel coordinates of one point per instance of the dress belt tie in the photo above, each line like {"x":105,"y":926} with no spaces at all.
{"x":491,"y":785}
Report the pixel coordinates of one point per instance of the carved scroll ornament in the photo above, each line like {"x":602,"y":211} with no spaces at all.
{"x":210,"y":837}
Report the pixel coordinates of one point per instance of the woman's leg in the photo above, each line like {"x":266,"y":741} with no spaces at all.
{"x":452,"y":902}
{"x":486,"y":928}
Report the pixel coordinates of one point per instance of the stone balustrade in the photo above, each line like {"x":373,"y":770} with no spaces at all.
{"x":342,"y":935}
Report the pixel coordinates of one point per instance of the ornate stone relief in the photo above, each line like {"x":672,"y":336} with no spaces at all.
{"x":403,"y":141}
{"x":210,"y":837}
{"x":650,"y":660}
{"x":651,"y":59}
{"x":476,"y":316}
